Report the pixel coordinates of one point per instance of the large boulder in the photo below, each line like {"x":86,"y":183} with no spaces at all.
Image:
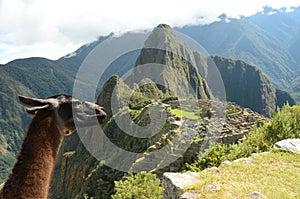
{"x":292,"y":145}
{"x":174,"y":184}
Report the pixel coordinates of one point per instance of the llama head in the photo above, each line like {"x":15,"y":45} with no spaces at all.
{"x":71,"y":113}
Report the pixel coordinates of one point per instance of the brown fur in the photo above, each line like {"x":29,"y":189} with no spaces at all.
{"x":54,"y":118}
{"x":31,"y":174}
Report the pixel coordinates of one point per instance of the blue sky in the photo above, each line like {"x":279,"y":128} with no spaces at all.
{"x":54,"y":28}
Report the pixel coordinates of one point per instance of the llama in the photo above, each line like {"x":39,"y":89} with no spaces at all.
{"x":54,"y":118}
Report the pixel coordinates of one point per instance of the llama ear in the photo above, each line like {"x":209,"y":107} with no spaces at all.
{"x":33,"y":110}
{"x":34,"y":104}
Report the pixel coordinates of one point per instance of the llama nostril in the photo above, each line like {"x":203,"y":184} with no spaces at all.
{"x":101,"y":118}
{"x":100,"y":112}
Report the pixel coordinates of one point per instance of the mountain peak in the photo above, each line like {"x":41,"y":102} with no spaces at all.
{"x":165,"y":26}
{"x":113,"y":84}
{"x":162,"y":37}
{"x":164,"y":47}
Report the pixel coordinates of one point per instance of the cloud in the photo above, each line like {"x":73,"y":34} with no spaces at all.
{"x":49,"y":50}
{"x":33,"y":26}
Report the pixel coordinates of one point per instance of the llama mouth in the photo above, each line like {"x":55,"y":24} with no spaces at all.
{"x":87,"y":117}
{"x":90,"y":118}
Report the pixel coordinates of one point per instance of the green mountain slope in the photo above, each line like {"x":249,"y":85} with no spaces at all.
{"x":30,"y":77}
{"x":12,"y":121}
{"x":42,"y":76}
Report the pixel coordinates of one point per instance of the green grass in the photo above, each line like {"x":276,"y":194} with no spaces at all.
{"x":275,"y":175}
{"x":187,"y":114}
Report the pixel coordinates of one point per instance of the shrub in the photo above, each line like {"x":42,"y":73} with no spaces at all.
{"x":140,"y":186}
{"x":212,"y":157}
{"x":285,"y":124}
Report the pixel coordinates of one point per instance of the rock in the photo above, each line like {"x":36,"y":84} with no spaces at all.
{"x":212,"y":170}
{"x":211,"y":188}
{"x":256,"y":195}
{"x":190,"y":195}
{"x":174,"y":183}
{"x":244,"y":160}
{"x":226,"y":163}
{"x":292,"y":145}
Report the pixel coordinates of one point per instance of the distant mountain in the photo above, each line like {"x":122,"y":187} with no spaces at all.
{"x":280,"y":23}
{"x":268,"y":40}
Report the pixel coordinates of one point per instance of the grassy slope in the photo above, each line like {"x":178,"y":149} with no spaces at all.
{"x":275,"y":175}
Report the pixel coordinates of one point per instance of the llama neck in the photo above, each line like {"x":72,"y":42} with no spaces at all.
{"x":32,"y":173}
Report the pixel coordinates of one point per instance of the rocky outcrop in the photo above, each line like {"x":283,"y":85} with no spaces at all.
{"x":292,"y":145}
{"x":174,"y":184}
